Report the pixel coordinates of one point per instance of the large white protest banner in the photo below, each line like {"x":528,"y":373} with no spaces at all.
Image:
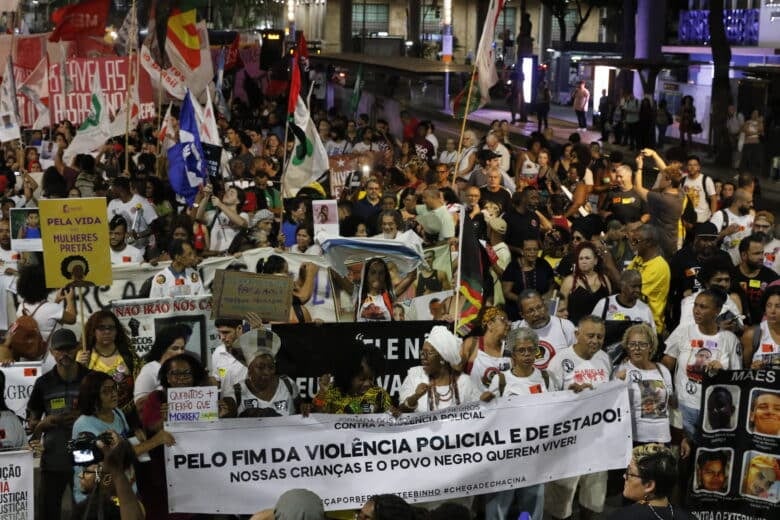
{"x":128,"y":279}
{"x":17,"y":494}
{"x":466,"y":450}
{"x":19,"y":381}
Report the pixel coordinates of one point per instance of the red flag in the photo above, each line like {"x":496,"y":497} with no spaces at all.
{"x":87,"y":18}
{"x":303,"y":47}
{"x":295,"y":86}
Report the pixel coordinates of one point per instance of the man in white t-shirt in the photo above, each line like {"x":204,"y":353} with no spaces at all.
{"x":700,"y":190}
{"x":224,"y":364}
{"x":554,"y":333}
{"x":121,"y":252}
{"x":583,"y":366}
{"x":695,"y":349}
{"x":136,"y":210}
{"x":626,"y":305}
{"x":179,"y":278}
{"x":735,"y":223}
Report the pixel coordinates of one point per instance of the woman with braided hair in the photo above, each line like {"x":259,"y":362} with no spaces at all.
{"x":437,"y":383}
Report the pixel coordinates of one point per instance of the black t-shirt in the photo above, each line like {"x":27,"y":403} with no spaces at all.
{"x":541,"y":279}
{"x":626,"y":206}
{"x":519,"y":227}
{"x":644,"y":512}
{"x":753,"y":290}
{"x":502,"y":197}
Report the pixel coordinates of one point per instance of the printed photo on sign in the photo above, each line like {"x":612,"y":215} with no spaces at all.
{"x":369,"y":290}
{"x":713,"y":471}
{"x":721,"y":408}
{"x":653,"y":397}
{"x":432,"y":306}
{"x":701,"y":354}
{"x":760,"y":476}
{"x":325,"y":214}
{"x":764,"y":416}
{"x":26,"y":229}
{"x":436,"y":275}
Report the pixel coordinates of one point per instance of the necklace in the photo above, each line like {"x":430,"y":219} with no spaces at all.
{"x":111,"y":354}
{"x":659,"y":517}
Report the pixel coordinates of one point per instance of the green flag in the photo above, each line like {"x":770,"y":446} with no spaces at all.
{"x":356,"y":91}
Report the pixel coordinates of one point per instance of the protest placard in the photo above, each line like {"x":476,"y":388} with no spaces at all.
{"x":75,"y":237}
{"x":193,"y":404}
{"x":738,"y":450}
{"x":144,"y":319}
{"x":20,"y":378}
{"x":26,"y":229}
{"x":466,"y":450}
{"x":17,"y":494}
{"x":237,"y":293}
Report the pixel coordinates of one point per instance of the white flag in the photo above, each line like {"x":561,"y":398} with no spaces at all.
{"x":9,"y":115}
{"x":36,"y":89}
{"x":308,"y":160}
{"x":96,"y":128}
{"x":486,"y":58}
{"x":119,"y":124}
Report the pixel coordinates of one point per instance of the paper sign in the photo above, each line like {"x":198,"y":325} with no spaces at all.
{"x":75,"y":237}
{"x":26,"y":229}
{"x":20,"y":378}
{"x":237,"y":293}
{"x":326,"y":216}
{"x":17,"y":492}
{"x":193,"y":404}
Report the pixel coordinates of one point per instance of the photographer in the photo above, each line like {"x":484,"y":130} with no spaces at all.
{"x":109,"y":491}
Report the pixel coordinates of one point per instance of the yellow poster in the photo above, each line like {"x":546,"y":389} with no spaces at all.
{"x":75,"y":242}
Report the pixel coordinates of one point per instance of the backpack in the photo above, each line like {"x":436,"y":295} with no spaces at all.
{"x":704,"y":179}
{"x":25,"y":338}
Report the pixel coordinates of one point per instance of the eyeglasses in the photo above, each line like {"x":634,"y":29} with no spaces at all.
{"x":85,"y":472}
{"x":113,"y":389}
{"x":424,"y":354}
{"x":638,"y":345}
{"x":180,"y":373}
{"x":627,"y":474}
{"x":575,"y":238}
{"x":525,"y":351}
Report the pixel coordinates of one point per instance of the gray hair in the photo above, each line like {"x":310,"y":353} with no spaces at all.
{"x":519,"y":334}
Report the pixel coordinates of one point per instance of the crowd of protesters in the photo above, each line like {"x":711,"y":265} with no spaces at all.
{"x":636,"y":275}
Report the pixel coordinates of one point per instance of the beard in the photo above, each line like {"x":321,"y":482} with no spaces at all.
{"x":744,"y":210}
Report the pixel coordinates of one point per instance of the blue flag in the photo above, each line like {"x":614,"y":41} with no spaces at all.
{"x":186,"y":164}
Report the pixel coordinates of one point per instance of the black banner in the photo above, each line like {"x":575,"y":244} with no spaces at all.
{"x":308,"y":350}
{"x":736,"y":472}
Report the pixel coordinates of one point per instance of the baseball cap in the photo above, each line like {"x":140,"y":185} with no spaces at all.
{"x":63,"y":339}
{"x":705,"y":229}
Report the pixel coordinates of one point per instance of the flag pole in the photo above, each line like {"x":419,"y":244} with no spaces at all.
{"x":462,"y":220}
{"x":463,"y":125}
{"x":133,"y":79}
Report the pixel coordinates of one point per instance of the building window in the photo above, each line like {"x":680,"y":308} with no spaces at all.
{"x":571,"y":24}
{"x":506,"y":20}
{"x":431,"y":20}
{"x":374,"y":18}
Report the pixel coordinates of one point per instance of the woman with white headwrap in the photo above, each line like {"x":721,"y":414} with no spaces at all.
{"x":437,"y":383}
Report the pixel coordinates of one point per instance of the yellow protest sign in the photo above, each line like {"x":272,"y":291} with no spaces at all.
{"x":75,"y":242}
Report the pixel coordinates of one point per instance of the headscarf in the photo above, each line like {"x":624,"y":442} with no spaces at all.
{"x":446,"y":344}
{"x":299,"y":504}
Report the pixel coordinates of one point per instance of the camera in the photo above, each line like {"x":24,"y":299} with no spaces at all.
{"x":84,"y":449}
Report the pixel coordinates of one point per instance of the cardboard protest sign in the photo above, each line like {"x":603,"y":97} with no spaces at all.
{"x":75,"y":238}
{"x":237,"y":293}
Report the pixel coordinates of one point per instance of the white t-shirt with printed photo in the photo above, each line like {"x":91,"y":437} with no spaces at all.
{"x":556,"y":335}
{"x":649,"y":392}
{"x":693,"y":351}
